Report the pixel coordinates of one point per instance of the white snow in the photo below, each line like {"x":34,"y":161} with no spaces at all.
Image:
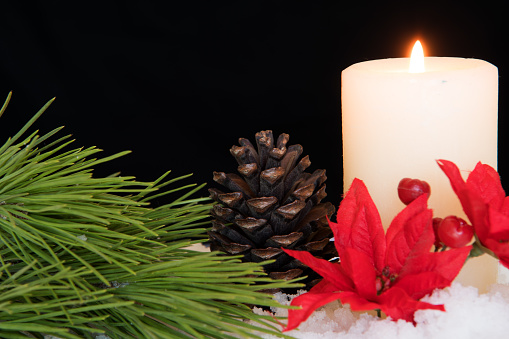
{"x":468,"y":315}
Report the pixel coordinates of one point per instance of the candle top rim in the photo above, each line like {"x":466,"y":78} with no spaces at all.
{"x":432,"y":65}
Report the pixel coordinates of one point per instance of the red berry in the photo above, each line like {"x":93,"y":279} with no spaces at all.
{"x":411,"y":189}
{"x":454,"y":232}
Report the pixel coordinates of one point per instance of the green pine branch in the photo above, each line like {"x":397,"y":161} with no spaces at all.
{"x":83,"y":255}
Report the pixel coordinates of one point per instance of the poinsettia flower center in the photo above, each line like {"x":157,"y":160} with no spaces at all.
{"x":383,"y":281}
{"x":386,"y":271}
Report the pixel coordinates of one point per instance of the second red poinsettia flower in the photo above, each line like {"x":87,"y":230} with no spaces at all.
{"x":390,"y":272}
{"x":484,"y":201}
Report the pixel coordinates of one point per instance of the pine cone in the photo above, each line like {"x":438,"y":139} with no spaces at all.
{"x":273,"y":204}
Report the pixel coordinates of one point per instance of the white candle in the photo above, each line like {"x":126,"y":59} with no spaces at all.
{"x":397,"y":123}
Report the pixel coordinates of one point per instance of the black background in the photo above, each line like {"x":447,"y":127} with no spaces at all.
{"x":179,"y":82}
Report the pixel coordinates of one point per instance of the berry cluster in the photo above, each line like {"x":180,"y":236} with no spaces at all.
{"x":450,"y":231}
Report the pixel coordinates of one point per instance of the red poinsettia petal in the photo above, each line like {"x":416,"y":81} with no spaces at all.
{"x":497,"y":239}
{"x":473,"y":205}
{"x":447,"y":264}
{"x":415,"y":207}
{"x":485,"y":181}
{"x":453,"y":173}
{"x":421,"y":284}
{"x":342,"y":229}
{"x":499,"y":248}
{"x":499,"y":225}
{"x":359,"y":267}
{"x":477,"y":212}
{"x":333,"y":272}
{"x":505,"y":206}
{"x":359,"y":225}
{"x":357,"y":303}
{"x":394,"y":302}
{"x":399,"y":305}
{"x":323,"y":286}
{"x":410,"y":234}
{"x":309,"y":303}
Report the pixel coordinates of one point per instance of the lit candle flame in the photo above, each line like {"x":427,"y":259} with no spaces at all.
{"x":417,"y":59}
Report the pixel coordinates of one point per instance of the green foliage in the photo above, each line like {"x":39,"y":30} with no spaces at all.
{"x":82,"y":256}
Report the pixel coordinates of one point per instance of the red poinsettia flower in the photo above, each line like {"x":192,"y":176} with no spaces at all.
{"x":377,"y":271}
{"x":484,"y":201}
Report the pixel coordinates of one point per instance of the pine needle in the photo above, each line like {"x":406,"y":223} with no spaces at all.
{"x":82,"y":255}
